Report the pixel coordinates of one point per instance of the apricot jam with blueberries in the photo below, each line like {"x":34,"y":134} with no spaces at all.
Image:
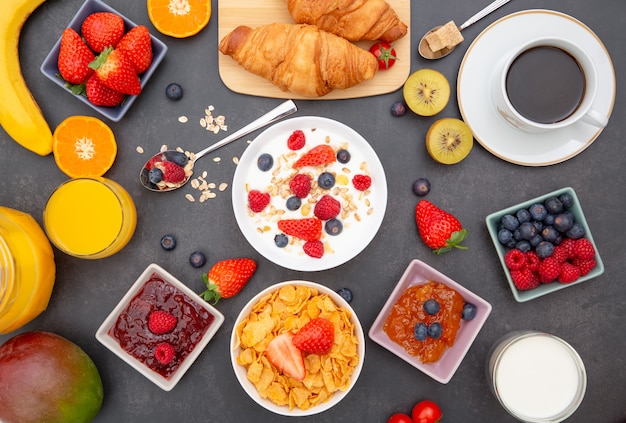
{"x":409,"y":311}
{"x":132,"y":332}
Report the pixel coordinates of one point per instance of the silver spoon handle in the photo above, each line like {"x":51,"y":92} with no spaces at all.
{"x":487,"y":10}
{"x":282,"y":110}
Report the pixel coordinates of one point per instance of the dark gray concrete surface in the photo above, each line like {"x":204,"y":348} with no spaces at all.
{"x":590,"y":316}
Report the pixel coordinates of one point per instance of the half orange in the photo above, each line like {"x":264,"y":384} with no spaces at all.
{"x":179,"y":18}
{"x":83,"y":146}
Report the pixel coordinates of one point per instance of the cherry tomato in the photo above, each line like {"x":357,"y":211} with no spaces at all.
{"x":400,"y":418}
{"x":426,"y":412}
{"x":385,"y":54}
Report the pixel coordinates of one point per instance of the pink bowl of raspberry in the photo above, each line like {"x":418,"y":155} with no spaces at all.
{"x":160,"y":327}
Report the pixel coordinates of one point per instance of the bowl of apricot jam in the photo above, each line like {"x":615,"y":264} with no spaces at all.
{"x":430,"y":321}
{"x":160,"y":327}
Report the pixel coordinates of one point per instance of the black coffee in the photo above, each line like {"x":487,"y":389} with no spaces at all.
{"x":545,"y":84}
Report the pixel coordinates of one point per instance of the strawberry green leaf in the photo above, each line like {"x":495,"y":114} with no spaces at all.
{"x":453,"y":242}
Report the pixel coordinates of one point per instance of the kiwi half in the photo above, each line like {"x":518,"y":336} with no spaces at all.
{"x":426,"y":92}
{"x":449,"y":140}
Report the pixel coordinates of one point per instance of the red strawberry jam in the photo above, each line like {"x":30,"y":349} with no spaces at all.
{"x":132,"y":332}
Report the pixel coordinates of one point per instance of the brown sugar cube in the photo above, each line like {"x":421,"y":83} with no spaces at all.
{"x":447,"y":35}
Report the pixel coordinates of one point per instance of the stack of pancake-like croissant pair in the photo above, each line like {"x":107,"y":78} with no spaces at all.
{"x":315,"y":55}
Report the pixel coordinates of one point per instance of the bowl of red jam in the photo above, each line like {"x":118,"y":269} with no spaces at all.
{"x":160,"y":327}
{"x":430,"y":321}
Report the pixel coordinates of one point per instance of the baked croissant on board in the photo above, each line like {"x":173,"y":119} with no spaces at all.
{"x":301,"y":59}
{"x":354,"y":20}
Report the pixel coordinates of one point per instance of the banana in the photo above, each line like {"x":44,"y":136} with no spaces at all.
{"x":20,"y":115}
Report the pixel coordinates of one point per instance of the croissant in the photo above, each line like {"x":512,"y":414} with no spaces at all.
{"x":354,"y":20}
{"x":301,"y":59}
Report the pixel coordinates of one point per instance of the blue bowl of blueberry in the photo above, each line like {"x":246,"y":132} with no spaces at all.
{"x":544,"y":244}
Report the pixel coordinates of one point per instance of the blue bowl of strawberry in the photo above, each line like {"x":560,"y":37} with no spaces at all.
{"x":544,"y":244}
{"x":104,"y":59}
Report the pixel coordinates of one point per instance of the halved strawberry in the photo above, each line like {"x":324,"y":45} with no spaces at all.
{"x":285,"y":356}
{"x":307,"y":229}
{"x":316,"y":337}
{"x":318,"y":155}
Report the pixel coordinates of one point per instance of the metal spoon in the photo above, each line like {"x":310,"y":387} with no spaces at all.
{"x":424,"y":48}
{"x":281,"y":111}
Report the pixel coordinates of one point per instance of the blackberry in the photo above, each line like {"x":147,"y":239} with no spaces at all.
{"x":538,"y":211}
{"x":553,"y":205}
{"x":281,"y":240}
{"x":431,"y":307}
{"x":197,"y":259}
{"x":333,"y":227}
{"x":398,"y":109}
{"x":174,"y":91}
{"x":265,"y":162}
{"x":567,"y":200}
{"x":509,"y":222}
{"x":544,"y":249}
{"x":576,"y":231}
{"x":421,"y":187}
{"x":343,"y":156}
{"x":168,"y":242}
{"x":326,"y":180}
{"x":435,"y":330}
{"x":420,"y":331}
{"x":293,"y":203}
{"x":469,"y":311}
{"x":177,"y":157}
{"x":346,"y":294}
{"x":563,"y":222}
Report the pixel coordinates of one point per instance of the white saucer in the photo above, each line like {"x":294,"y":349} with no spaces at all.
{"x":485,"y":57}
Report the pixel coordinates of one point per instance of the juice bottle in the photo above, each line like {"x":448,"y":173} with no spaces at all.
{"x":27,"y":269}
{"x":90,"y":217}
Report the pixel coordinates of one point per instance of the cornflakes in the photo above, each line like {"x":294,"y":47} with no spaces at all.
{"x":288,"y":309}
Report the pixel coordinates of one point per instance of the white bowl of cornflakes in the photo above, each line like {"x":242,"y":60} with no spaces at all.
{"x":287,"y":306}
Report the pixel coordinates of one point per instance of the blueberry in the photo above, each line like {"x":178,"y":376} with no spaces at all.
{"x":168,"y":242}
{"x":177,"y":157}
{"x":523,"y":215}
{"x":549,"y":220}
{"x":509,"y":222}
{"x":281,"y":240}
{"x":469,"y":311}
{"x":505,"y":236}
{"x":534,"y":241}
{"x":527,"y":230}
{"x":523,"y":245}
{"x":197,"y":259}
{"x":544,"y":249}
{"x":517,"y":235}
{"x":431,"y":306}
{"x":346,"y":294}
{"x":421,"y":187}
{"x":174,"y":91}
{"x":563,"y":222}
{"x":420,"y":331}
{"x":538,"y":225}
{"x":538,"y":211}
{"x":576,"y":231}
{"x":567,"y":200}
{"x":326,"y":180}
{"x":293,"y":203}
{"x":435,"y":330}
{"x":333,"y":227}
{"x":398,"y":109}
{"x":155,"y":175}
{"x":265,"y":162}
{"x":343,"y":156}
{"x":549,"y":233}
{"x":553,"y":205}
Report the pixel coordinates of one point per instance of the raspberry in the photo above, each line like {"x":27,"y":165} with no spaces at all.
{"x":569,"y":273}
{"x":515,"y":259}
{"x":164,"y":352}
{"x":585,"y":265}
{"x":532,"y":260}
{"x":314,"y":249}
{"x":561,"y":254}
{"x":160,"y":322}
{"x":361,"y":182}
{"x":549,"y":269}
{"x":171,"y":172}
{"x":583,"y":249}
{"x":327,"y":208}
{"x":258,"y":200}
{"x":524,"y":279}
{"x":300,"y":185}
{"x":296,"y":140}
{"x":568,"y":246}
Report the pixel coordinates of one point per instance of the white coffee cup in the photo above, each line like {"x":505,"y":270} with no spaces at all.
{"x":583,"y":113}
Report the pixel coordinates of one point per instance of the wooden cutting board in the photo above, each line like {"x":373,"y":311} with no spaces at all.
{"x":253,"y":13}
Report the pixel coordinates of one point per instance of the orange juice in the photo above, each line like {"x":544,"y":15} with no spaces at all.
{"x":27,"y":269}
{"x":90,"y":217}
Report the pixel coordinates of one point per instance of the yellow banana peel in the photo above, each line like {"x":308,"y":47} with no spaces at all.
{"x":20,"y":115}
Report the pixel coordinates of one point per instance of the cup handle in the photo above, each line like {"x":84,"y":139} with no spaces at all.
{"x":595,"y":118}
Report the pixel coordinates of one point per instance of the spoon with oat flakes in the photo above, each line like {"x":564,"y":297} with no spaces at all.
{"x":171,"y":169}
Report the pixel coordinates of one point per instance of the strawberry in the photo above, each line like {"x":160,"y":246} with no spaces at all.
{"x":296,"y":140}
{"x":524,"y":279}
{"x":285,"y":356}
{"x":102,"y":30}
{"x":171,"y":172}
{"x":327,"y":207}
{"x":515,"y":259}
{"x":160,"y":322}
{"x":315,"y":337}
{"x":583,"y":249}
{"x":74,"y":58}
{"x":258,"y":200}
{"x":164,"y":352}
{"x":549,"y":269}
{"x":116,"y":71}
{"x":439,"y":229}
{"x":361,"y":182}
{"x":137,"y":45}
{"x":227,"y":277}
{"x":101,"y":95}
{"x":569,"y":273}
{"x":307,"y":229}
{"x":314,"y":249}
{"x":300,"y":185}
{"x":318,"y":155}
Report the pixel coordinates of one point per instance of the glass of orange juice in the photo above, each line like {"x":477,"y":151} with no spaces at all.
{"x":90,"y":218}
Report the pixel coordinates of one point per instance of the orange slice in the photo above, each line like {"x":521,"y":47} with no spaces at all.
{"x":179,"y":18}
{"x":83,"y":146}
